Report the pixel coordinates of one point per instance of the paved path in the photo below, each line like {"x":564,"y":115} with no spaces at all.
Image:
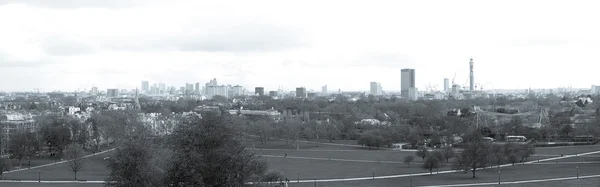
{"x":55,"y":182}
{"x":335,"y":159}
{"x":518,"y":182}
{"x":440,"y":172}
{"x":64,"y":161}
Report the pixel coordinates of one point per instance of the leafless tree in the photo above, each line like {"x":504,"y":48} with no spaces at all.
{"x":74,"y":153}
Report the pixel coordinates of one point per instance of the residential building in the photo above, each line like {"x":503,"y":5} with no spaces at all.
{"x":301,"y":92}
{"x":376,"y":88}
{"x":260,"y":91}
{"x":94,"y":91}
{"x":272,"y":93}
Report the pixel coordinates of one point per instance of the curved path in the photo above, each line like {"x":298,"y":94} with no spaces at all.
{"x":335,"y":159}
{"x":440,"y":172}
{"x":64,"y":161}
{"x":517,"y":182}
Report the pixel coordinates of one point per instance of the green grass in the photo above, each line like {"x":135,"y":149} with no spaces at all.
{"x":94,"y":169}
{"x":48,"y":185}
{"x":518,"y":173}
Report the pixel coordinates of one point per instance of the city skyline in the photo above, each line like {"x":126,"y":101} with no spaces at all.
{"x":105,"y":44}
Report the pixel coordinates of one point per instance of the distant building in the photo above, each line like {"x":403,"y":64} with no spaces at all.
{"x":145,"y":86}
{"x":260,"y":91}
{"x":197,"y":88}
{"x":376,"y":88}
{"x":189,"y":88}
{"x":413,"y":94}
{"x":112,"y":93}
{"x":162,"y":88}
{"x":595,"y":89}
{"x":94,"y":91}
{"x":324,"y":89}
{"x":238,"y":90}
{"x":407,"y":79}
{"x":272,"y":93}
{"x":455,"y":91}
{"x":446,"y":85}
{"x":301,"y":92}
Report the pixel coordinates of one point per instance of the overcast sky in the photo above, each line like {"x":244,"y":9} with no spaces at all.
{"x":77,"y":44}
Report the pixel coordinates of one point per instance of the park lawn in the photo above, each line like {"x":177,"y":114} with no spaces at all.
{"x":27,"y":184}
{"x":94,"y":169}
{"x":584,"y":158}
{"x":281,"y":144}
{"x":373,"y":155}
{"x":324,"y":169}
{"x":567,"y":150}
{"x":517,"y":173}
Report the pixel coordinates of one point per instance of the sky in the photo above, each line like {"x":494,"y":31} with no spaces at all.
{"x":516,"y":44}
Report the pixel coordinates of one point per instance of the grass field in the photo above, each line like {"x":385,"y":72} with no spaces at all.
{"x":94,"y":169}
{"x":520,"y":172}
{"x":355,"y":161}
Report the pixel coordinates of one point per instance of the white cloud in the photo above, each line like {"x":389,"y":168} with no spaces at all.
{"x":345,"y":44}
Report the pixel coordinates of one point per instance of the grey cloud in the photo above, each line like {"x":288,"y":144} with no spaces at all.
{"x":540,"y":42}
{"x":8,"y":61}
{"x":70,"y":4}
{"x":388,"y":60}
{"x":65,"y":46}
{"x":246,"y":38}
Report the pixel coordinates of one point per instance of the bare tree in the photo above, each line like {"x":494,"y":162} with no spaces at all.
{"x":422,"y":152}
{"x":432,"y":162}
{"x":408,"y":159}
{"x":74,"y":153}
{"x":448,"y":153}
{"x":474,"y":155}
{"x":4,"y":166}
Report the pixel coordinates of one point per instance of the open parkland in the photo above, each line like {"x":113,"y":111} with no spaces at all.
{"x":344,"y":163}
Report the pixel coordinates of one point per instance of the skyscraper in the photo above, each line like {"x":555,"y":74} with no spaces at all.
{"x":376,"y":88}
{"x":189,"y":88}
{"x":324,"y":89}
{"x":407,"y":80}
{"x":446,"y":85}
{"x":197,"y":88}
{"x":145,"y":86}
{"x":162,"y":87}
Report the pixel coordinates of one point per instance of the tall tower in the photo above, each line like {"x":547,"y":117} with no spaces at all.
{"x":472,"y":79}
{"x":407,"y":81}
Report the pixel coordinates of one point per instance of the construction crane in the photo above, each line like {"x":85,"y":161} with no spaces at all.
{"x":453,"y":78}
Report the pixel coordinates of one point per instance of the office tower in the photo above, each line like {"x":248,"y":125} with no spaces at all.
{"x":376,"y":88}
{"x":145,"y":86}
{"x":324,"y":89}
{"x":471,"y":76}
{"x":238,"y":90}
{"x":162,"y":87}
{"x":189,"y":88}
{"x":197,"y":88}
{"x":272,"y":93}
{"x":260,"y":91}
{"x":94,"y":91}
{"x":407,"y":80}
{"x":301,"y":92}
{"x":112,"y":93}
{"x":446,"y":85}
